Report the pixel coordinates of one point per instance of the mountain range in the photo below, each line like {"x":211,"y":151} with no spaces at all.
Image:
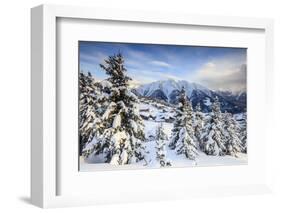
{"x":168,"y":91}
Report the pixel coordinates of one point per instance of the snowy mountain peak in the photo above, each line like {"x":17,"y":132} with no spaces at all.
{"x":168,"y":86}
{"x":168,"y":91}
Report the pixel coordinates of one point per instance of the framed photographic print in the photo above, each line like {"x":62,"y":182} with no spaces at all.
{"x":148,"y":105}
{"x":154,"y":106}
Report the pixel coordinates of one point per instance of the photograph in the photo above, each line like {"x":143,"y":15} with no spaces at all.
{"x":145,"y":106}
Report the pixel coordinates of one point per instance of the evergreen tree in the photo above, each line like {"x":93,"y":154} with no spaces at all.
{"x":182,"y":133}
{"x":198,"y":124}
{"x":88,"y":114}
{"x":161,"y":139}
{"x":233,"y":142}
{"x":213,"y":138}
{"x":122,"y":138}
{"x":243,"y":134}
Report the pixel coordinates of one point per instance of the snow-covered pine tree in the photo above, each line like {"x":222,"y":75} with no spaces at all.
{"x":161,"y":139}
{"x":92,"y":126}
{"x":88,"y":105}
{"x":182,"y":133}
{"x":178,"y":123}
{"x":122,"y":139}
{"x":198,"y":125}
{"x":243,"y":134}
{"x":213,"y":136}
{"x":233,"y":142}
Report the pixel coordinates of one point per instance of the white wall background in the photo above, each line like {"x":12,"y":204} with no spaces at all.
{"x":15,"y":103}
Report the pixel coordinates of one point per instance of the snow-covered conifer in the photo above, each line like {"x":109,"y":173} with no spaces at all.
{"x":88,"y":105}
{"x":198,"y":124}
{"x":122,"y":138}
{"x":182,"y":133}
{"x":161,"y":139}
{"x":214,"y":136}
{"x":233,"y":142}
{"x":243,"y":133}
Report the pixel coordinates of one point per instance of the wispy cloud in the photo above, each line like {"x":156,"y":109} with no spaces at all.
{"x":92,"y":58}
{"x":147,"y":76}
{"x":216,"y":68}
{"x":135,"y":54}
{"x":222,"y":74}
{"x":160,"y":63}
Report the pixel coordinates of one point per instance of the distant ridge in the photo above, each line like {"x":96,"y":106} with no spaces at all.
{"x":168,"y":90}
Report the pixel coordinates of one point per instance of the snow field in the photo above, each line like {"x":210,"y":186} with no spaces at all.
{"x":95,"y":163}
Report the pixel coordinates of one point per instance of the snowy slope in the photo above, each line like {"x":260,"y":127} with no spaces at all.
{"x":94,"y":163}
{"x":151,"y":110}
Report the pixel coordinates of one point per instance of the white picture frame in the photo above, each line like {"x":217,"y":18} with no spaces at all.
{"x":44,"y":149}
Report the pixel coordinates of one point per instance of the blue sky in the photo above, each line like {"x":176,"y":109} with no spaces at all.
{"x":213,"y":67}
